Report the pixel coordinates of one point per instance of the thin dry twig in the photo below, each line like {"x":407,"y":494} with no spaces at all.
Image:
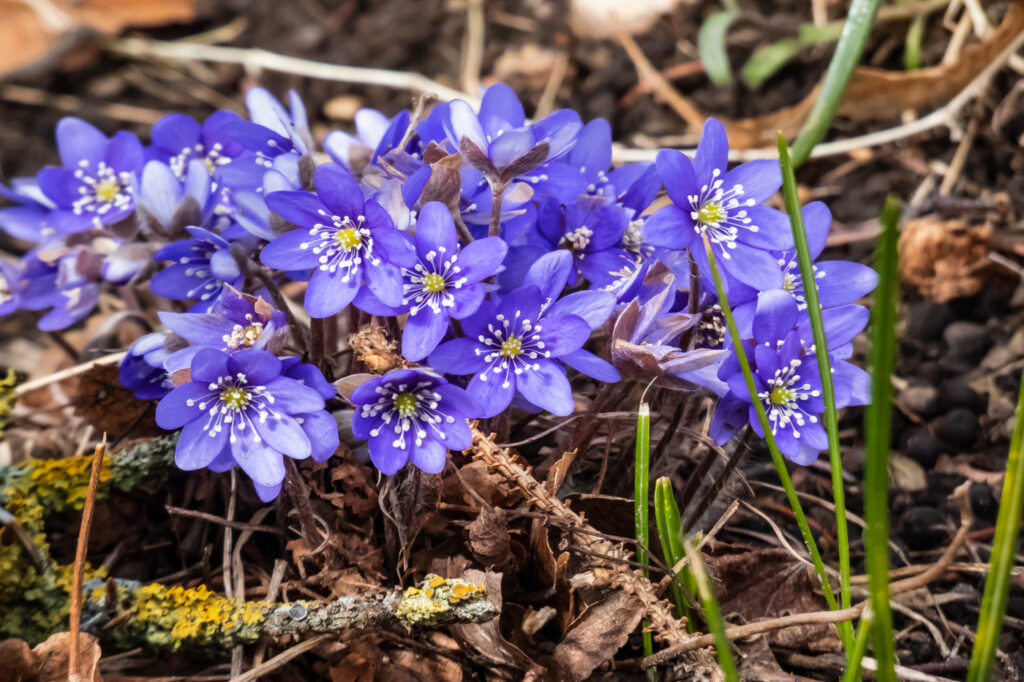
{"x":277,"y":661}
{"x":68,"y":373}
{"x":213,"y":518}
{"x":473,"y":46}
{"x":74,"y":648}
{"x":663,"y":88}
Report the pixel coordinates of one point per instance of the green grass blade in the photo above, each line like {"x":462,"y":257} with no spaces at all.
{"x":860,"y":644}
{"x":769,"y":438}
{"x":1004,"y":546}
{"x":669,"y":523}
{"x":847,"y":55}
{"x":877,"y":423}
{"x":711,"y":46}
{"x":912,"y":43}
{"x":712,"y":615}
{"x":641,"y":500}
{"x":810,"y":285}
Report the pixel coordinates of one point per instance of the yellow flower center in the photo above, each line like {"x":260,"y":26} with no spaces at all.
{"x":711,"y":213}
{"x":107,"y":191}
{"x":781,"y":395}
{"x":433,"y":283}
{"x":244,"y":336}
{"x":235,"y":398}
{"x":511,"y":347}
{"x":406,"y":404}
{"x":349,"y":238}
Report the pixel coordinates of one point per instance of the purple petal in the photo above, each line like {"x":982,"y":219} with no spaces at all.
{"x":286,"y":252}
{"x":125,"y":153}
{"x":549,"y":273}
{"x":174,"y":410}
{"x":563,"y":334}
{"x":753,"y":267}
{"x":546,"y":386}
{"x":457,"y":399}
{"x":385,"y":281}
{"x":584,"y":361}
{"x":423,"y":331}
{"x":299,"y":208}
{"x":492,"y":391}
{"x":284,"y":434}
{"x":500,"y":100}
{"x":840,"y":282}
{"x":209,"y":366}
{"x":458,"y":356}
{"x":197,"y":447}
{"x":322,"y":431}
{"x":327,"y":293}
{"x":385,"y":456}
{"x":429,"y":457}
{"x":258,"y":366}
{"x":292,"y":397}
{"x":175,"y":133}
{"x":678,"y":175}
{"x":78,"y":140}
{"x":669,"y":227}
{"x":775,"y":317}
{"x":730,"y":417}
{"x":712,"y":153}
{"x":759,"y":179}
{"x":262,"y":463}
{"x":339,"y":191}
{"x":467,"y":301}
{"x":435,"y":231}
{"x":817,"y":221}
{"x":482,"y":258}
{"x":462,"y":122}
{"x":774,"y":232}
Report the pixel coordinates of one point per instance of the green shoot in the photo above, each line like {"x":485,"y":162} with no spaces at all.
{"x":641,"y":500}
{"x":712,"y":614}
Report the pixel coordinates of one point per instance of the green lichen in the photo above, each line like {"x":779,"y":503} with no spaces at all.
{"x":175,"y":617}
{"x":436,"y":597}
{"x":34,"y":602}
{"x":9,"y":380}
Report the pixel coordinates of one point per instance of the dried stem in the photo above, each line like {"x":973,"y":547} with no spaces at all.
{"x":74,"y":649}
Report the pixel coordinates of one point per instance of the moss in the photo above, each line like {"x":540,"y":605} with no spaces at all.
{"x":9,"y":380}
{"x":177,"y":617}
{"x":33,"y":603}
{"x":434,"y":598}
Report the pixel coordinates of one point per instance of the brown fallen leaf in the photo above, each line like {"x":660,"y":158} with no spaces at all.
{"x":42,"y":33}
{"x":489,"y":539}
{"x":944,"y":259}
{"x":52,"y":658}
{"x":16,"y":661}
{"x":110,"y":408}
{"x":767,"y":584}
{"x":597,"y":634}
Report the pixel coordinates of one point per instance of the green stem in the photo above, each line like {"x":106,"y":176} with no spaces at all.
{"x":1004,"y":545}
{"x":769,"y":438}
{"x":860,"y":644}
{"x":670,"y":532}
{"x":641,"y":500}
{"x":847,"y":55}
{"x":807,"y":275}
{"x":712,"y":615}
{"x":877,"y":425}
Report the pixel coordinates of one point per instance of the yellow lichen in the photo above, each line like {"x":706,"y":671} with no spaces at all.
{"x":9,"y":381}
{"x":435,"y":596}
{"x":193,"y":617}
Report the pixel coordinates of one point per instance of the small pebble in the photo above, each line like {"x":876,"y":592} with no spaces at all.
{"x":925,"y":320}
{"x":921,"y":400}
{"x":957,"y":392}
{"x":958,"y":427}
{"x":966,"y":340}
{"x":923,"y":527}
{"x":923,"y":448}
{"x":983,"y":502}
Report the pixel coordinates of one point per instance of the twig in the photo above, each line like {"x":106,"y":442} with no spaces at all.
{"x":473,"y":46}
{"x":940,"y":117}
{"x":546,"y":103}
{"x":282,"y":658}
{"x":256,"y":59}
{"x":237,"y":525}
{"x":42,"y":382}
{"x":74,"y":648}
{"x":664,"y":90}
{"x":20,"y":94}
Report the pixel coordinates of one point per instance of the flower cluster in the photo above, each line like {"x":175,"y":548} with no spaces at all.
{"x":508,"y":254}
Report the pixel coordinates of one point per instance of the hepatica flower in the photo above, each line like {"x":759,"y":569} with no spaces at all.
{"x":200,"y":268}
{"x":348,"y":242}
{"x":723,"y":206}
{"x":240,"y":409}
{"x":142,"y":369}
{"x":445,"y":283}
{"x":96,"y":185}
{"x":179,"y":139}
{"x":412,"y":415}
{"x":510,"y":349}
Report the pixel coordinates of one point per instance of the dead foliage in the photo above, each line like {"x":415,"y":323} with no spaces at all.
{"x":944,"y":259}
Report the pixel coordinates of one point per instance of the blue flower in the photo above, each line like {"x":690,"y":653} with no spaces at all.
{"x":178,"y":139}
{"x":375,"y":135}
{"x":412,"y":415}
{"x":723,"y":206}
{"x":590,"y":228}
{"x":142,"y":369}
{"x":96,"y":186}
{"x":445,"y":283}
{"x":787,"y":380}
{"x":63,"y":280}
{"x":519,"y":344}
{"x":240,"y":409}
{"x":236,"y":323}
{"x":200,"y":268}
{"x":497,"y":140}
{"x":30,"y":219}
{"x":10,"y":283}
{"x":350,"y":242}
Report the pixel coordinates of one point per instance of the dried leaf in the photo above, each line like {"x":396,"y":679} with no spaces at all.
{"x":34,"y":33}
{"x":110,"y":408}
{"x":944,"y":259}
{"x":597,"y":634}
{"x":16,"y":661}
{"x":489,"y":538}
{"x":486,"y":638}
{"x":52,"y":658}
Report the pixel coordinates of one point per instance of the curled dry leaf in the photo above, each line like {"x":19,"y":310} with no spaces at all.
{"x":16,"y":661}
{"x":489,"y":538}
{"x":606,"y":18}
{"x":52,"y":658}
{"x":597,"y":634}
{"x":486,"y":638}
{"x":36,"y":34}
{"x":110,"y":408}
{"x":944,"y":259}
